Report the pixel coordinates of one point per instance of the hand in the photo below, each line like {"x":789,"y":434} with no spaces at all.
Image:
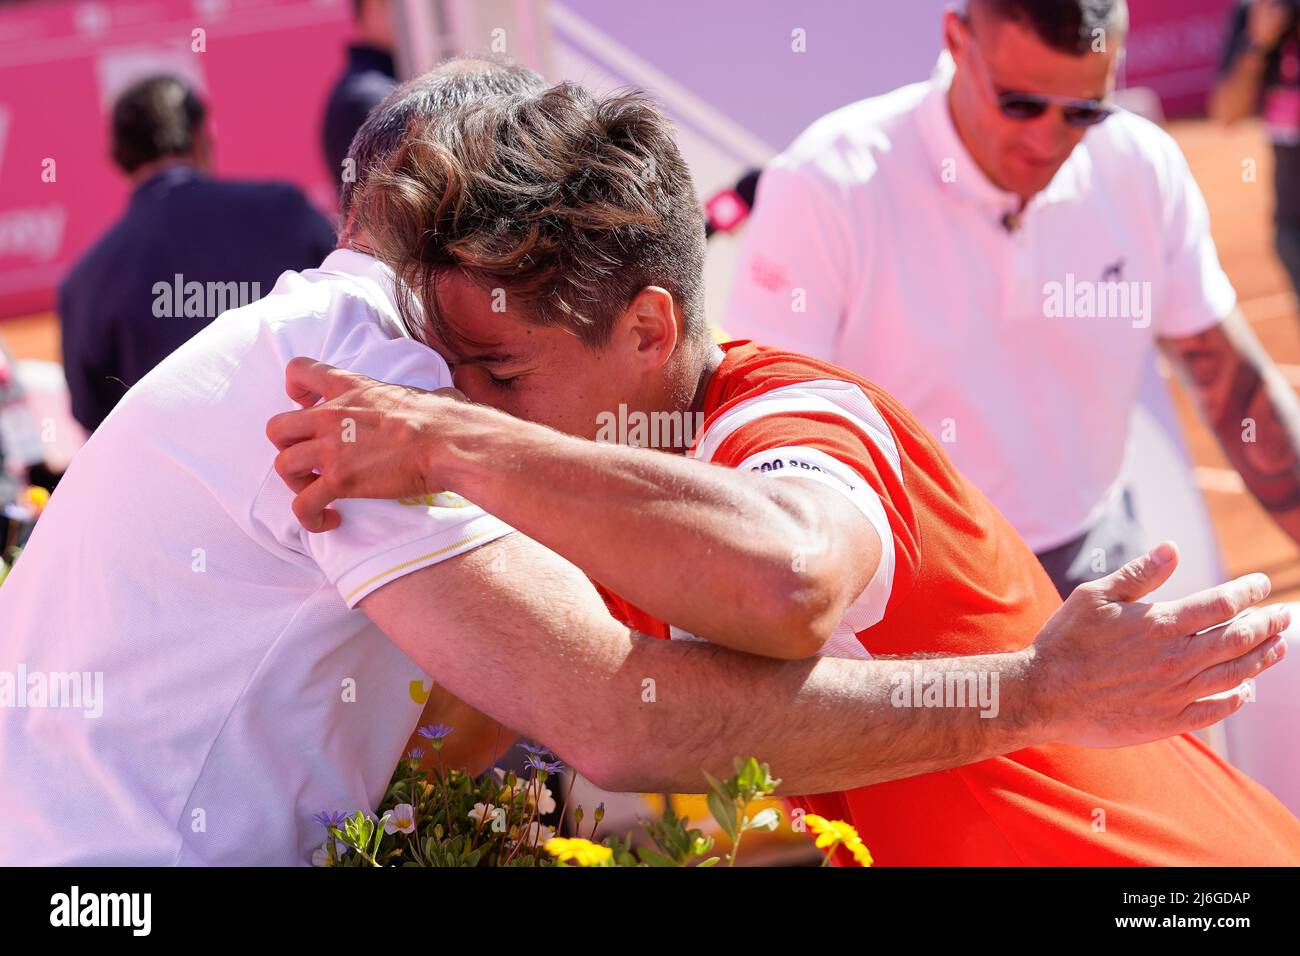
{"x":1267,"y":21}
{"x":1118,"y":672}
{"x":367,"y":440}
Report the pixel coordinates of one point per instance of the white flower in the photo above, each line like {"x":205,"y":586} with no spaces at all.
{"x":544,"y":799}
{"x":401,"y":820}
{"x":483,"y":811}
{"x":321,"y":855}
{"x":537,"y":834}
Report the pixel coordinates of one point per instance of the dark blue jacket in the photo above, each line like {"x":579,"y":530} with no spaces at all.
{"x":366,"y":80}
{"x":119,"y":307}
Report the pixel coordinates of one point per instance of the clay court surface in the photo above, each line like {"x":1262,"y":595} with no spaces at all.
{"x":1240,"y":212}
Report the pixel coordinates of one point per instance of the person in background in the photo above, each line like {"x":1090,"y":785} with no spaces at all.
{"x":187,"y":247}
{"x":1261,"y":74}
{"x":1003,"y":250}
{"x":369,"y":76}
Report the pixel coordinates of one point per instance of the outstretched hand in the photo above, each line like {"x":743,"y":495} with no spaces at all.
{"x":1120,"y":671}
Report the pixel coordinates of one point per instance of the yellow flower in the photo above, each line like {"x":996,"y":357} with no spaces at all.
{"x":833,"y":833}
{"x":37,"y":498}
{"x":584,"y":852}
{"x":860,"y":852}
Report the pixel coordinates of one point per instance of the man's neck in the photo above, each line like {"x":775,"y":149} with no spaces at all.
{"x":703,"y":368}
{"x":357,"y":243}
{"x":712,"y":359}
{"x":685,"y":388}
{"x":150,"y":170}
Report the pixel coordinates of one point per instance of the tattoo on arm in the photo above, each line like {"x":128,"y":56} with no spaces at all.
{"x":1252,"y":410}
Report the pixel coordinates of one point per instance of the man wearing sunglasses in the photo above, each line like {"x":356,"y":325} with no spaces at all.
{"x":1002,"y":248}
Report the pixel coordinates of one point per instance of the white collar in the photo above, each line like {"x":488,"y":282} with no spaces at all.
{"x":352,"y":262}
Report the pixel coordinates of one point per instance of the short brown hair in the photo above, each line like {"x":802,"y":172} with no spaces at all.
{"x":448,"y":86}
{"x":570,"y":203}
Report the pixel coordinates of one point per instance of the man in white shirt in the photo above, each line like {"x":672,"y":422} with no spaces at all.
{"x":187,"y":677}
{"x":1002,"y":250}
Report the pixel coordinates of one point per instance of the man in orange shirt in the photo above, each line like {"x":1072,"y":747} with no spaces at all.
{"x":557,"y":247}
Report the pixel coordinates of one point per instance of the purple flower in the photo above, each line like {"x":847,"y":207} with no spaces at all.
{"x":415,"y":753}
{"x":327,"y":819}
{"x":533,"y":749}
{"x":435,"y":732}
{"x":535,"y":762}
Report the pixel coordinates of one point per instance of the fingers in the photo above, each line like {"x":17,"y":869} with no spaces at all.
{"x":1203,"y":713}
{"x":307,"y":381}
{"x":310,"y":507}
{"x":1223,"y":677}
{"x":289,"y":428}
{"x":1139,"y":577}
{"x":1214,"y":606}
{"x":298,"y":464}
{"x":1230,"y":641}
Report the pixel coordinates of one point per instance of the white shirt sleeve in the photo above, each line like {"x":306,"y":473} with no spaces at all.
{"x":810,"y":464}
{"x":790,"y":287}
{"x":1197,"y":294}
{"x":380,"y":541}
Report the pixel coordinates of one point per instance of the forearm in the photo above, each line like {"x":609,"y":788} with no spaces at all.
{"x":1253,"y":412}
{"x":709,"y":549}
{"x":527,"y":641}
{"x":1237,"y":94}
{"x":823,"y":725}
{"x":1270,"y":464}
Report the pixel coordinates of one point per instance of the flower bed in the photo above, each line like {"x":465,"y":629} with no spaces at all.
{"x":445,"y":817}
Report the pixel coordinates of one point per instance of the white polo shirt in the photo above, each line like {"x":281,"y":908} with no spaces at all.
{"x":878,"y":244}
{"x":183,"y":676}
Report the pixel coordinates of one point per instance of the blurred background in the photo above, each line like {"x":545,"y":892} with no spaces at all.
{"x":266,"y":70}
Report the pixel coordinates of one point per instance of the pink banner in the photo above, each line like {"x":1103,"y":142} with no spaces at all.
{"x":1174,"y":47}
{"x":264,"y":66}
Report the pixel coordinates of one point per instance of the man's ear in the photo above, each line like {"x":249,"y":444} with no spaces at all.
{"x":954,"y":34}
{"x":650,"y":322}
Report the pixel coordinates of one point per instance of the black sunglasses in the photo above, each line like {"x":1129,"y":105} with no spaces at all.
{"x":1028,"y":106}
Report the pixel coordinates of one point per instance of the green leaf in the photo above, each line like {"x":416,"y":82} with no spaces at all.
{"x":724,"y":811}
{"x":651,"y":858}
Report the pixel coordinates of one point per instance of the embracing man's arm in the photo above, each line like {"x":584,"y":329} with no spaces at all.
{"x":754,"y":564}
{"x":1252,"y":410}
{"x":517,"y":632}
